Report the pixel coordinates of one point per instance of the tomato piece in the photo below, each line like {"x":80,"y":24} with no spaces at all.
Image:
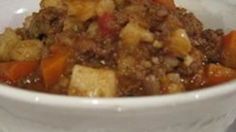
{"x":105,"y":23}
{"x":229,"y":50}
{"x":14,"y":71}
{"x":53,"y":66}
{"x":216,"y":74}
{"x":170,"y":4}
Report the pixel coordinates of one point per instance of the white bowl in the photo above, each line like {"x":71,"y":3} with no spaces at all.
{"x":210,"y":110}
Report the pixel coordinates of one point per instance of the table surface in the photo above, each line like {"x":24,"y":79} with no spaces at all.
{"x":232,"y":128}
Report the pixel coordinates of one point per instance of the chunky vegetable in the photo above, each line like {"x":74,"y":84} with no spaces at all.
{"x":229,"y":50}
{"x":27,"y":50}
{"x":180,"y":44}
{"x":172,"y":84}
{"x":53,"y":66}
{"x":216,"y":74}
{"x":17,"y":70}
{"x":82,"y":9}
{"x":133,"y":33}
{"x":105,"y":6}
{"x":86,"y":81}
{"x":8,"y":40}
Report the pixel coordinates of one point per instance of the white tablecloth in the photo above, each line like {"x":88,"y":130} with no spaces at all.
{"x":232,"y":128}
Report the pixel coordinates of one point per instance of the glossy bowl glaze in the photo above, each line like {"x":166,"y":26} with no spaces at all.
{"x":209,"y":110}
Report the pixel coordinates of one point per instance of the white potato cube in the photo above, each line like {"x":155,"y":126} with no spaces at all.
{"x":180,"y":42}
{"x":105,"y":6}
{"x":27,"y":50}
{"x":8,"y":40}
{"x":132,"y":34}
{"x":91,"y":82}
{"x":93,"y":29}
{"x":82,"y":9}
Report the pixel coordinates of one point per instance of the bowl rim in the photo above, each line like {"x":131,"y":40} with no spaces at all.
{"x":127,"y":103}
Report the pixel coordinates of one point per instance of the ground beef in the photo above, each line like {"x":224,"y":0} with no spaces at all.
{"x":47,"y":22}
{"x":192,"y":25}
{"x":210,"y":43}
{"x":133,"y":87}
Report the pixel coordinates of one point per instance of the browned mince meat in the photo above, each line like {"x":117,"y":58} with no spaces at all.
{"x":191,"y":24}
{"x":210,"y":43}
{"x":121,"y":48}
{"x":43,"y":24}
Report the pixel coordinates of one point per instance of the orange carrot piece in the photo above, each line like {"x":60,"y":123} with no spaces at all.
{"x":230,"y":38}
{"x":216,"y":74}
{"x":14,"y":71}
{"x":53,"y":66}
{"x":229,"y":50}
{"x":170,"y":4}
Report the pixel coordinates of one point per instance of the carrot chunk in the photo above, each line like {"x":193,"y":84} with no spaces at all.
{"x":53,"y":66}
{"x":229,"y":50}
{"x":14,"y":71}
{"x":216,"y":74}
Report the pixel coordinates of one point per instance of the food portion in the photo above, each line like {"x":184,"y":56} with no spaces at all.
{"x":115,"y":48}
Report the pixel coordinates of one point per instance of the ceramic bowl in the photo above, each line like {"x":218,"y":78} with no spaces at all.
{"x":209,"y":110}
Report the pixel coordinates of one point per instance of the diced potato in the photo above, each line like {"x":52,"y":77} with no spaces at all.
{"x":174,"y":77}
{"x":126,"y":64}
{"x":175,"y":88}
{"x":27,"y":50}
{"x":82,"y":9}
{"x":92,"y":82}
{"x":105,"y":6}
{"x":51,"y":3}
{"x":172,"y":83}
{"x":92,"y":29}
{"x":71,"y":23}
{"x":188,"y":60}
{"x":157,"y":44}
{"x":171,"y":62}
{"x":132,"y":9}
{"x":180,"y":43}
{"x":132,"y":34}
{"x":8,"y":40}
